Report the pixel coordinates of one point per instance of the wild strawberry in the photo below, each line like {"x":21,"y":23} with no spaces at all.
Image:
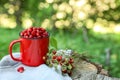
{"x":41,"y":29}
{"x":26,"y":36}
{"x":21,"y":34}
{"x":59,"y":58}
{"x":33,"y":33}
{"x":30,"y":30}
{"x":20,"y":69}
{"x":64,"y":71}
{"x":39,"y":36}
{"x":44,"y":58}
{"x":70,"y":73}
{"x":71,"y":60}
{"x":37,"y":31}
{"x":61,"y":63}
{"x":30,"y":36}
{"x":54,"y":52}
{"x":53,"y":61}
{"x":43,"y":35}
{"x":54,"y":57}
{"x":63,"y":60}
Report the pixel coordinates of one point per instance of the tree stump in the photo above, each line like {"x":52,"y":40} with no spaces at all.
{"x":85,"y":70}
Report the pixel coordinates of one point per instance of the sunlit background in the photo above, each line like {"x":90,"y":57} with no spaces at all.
{"x":97,"y":21}
{"x":99,"y":15}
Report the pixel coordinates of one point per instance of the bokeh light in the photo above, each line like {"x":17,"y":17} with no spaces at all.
{"x":27,"y":23}
{"x":64,"y":14}
{"x":5,"y":21}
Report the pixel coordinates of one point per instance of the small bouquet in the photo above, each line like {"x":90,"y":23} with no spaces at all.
{"x":62,"y":58}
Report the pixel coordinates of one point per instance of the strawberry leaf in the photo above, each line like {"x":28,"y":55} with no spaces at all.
{"x":53,"y":43}
{"x":69,"y":67}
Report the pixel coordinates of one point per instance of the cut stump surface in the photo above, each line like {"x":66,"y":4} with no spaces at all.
{"x":85,"y":70}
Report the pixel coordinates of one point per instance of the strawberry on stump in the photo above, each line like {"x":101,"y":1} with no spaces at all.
{"x":62,"y":58}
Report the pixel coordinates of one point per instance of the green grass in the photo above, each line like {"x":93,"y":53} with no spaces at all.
{"x":6,"y":36}
{"x":74,"y":40}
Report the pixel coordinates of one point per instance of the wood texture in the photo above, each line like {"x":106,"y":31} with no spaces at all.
{"x":85,"y":70}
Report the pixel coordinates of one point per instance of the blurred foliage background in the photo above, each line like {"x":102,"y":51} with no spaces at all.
{"x":86,"y":26}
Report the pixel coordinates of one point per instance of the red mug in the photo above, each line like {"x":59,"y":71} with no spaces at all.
{"x":32,"y":51}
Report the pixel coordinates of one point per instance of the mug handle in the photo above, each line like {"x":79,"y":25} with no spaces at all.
{"x":10,"y":49}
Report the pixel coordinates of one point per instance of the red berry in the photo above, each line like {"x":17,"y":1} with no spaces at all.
{"x":64,"y":71}
{"x":26,"y":36}
{"x":54,"y":52}
{"x":37,"y":31}
{"x":45,"y":33}
{"x":53,"y":61}
{"x":71,"y":60}
{"x":33,"y":33}
{"x":63,"y":60}
{"x":37,"y":34}
{"x":70,"y":73}
{"x":30,"y":30}
{"x":24,"y":31}
{"x":20,"y":69}
{"x":34,"y":29}
{"x":40,"y":32}
{"x":40,"y":29}
{"x":30,"y":36}
{"x":61,"y":63}
{"x":59,"y":58}
{"x":54,"y":57}
{"x":21,"y":33}
{"x":43,"y":30}
{"x":44,"y":58}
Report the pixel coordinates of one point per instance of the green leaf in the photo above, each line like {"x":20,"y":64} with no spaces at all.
{"x":64,"y":68}
{"x":53,"y":43}
{"x":69,"y":67}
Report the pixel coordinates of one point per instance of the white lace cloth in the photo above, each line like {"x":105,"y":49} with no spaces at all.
{"x":8,"y":71}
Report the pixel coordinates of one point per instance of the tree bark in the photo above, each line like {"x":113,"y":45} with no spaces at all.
{"x":85,"y":70}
